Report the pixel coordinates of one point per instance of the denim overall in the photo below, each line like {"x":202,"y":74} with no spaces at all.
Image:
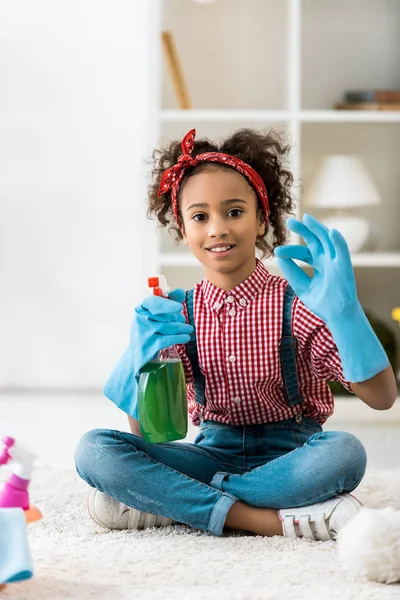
{"x":287,"y":352}
{"x":272,"y":465}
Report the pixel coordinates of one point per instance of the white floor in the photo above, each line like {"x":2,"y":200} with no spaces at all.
{"x":51,"y":424}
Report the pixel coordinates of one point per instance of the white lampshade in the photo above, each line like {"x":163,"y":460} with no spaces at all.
{"x":342,"y":181}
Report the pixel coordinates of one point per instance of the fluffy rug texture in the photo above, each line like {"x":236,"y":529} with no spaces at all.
{"x":73,"y":558}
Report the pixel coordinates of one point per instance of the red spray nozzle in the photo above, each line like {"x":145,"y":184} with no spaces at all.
{"x":158,"y":285}
{"x":153,"y":282}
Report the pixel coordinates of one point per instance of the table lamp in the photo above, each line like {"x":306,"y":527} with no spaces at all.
{"x":342,"y":182}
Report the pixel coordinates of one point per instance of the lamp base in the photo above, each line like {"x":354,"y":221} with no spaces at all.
{"x":355,"y":230}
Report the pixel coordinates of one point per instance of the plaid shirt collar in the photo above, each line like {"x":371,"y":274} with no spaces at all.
{"x":241,"y":295}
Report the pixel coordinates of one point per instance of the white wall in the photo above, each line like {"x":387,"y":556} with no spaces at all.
{"x":226,"y":42}
{"x":76,"y":105}
{"x":348,"y":45}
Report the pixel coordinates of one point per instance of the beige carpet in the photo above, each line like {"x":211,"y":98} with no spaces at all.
{"x":75,"y":559}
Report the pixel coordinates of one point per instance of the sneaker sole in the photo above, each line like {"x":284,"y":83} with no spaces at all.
{"x":138,"y":520}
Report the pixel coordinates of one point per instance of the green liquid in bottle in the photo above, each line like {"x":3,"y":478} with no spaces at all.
{"x":163,"y":414}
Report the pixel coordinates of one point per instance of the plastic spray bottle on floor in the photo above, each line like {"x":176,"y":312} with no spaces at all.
{"x":163,"y":414}
{"x":14,"y":492}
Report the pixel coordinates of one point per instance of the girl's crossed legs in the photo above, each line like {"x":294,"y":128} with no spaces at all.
{"x":232,"y":476}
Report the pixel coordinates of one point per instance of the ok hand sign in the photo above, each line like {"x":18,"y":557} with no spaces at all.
{"x":331,"y":291}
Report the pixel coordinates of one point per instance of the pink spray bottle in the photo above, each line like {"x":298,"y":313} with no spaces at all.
{"x":14,"y":493}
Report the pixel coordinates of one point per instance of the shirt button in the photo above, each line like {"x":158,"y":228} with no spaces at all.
{"x":242,"y":302}
{"x":230,"y":299}
{"x":237,"y":400}
{"x":232,"y":358}
{"x":232,"y":312}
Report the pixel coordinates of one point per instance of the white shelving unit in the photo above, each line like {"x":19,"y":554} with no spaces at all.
{"x":283,"y":64}
{"x":280,"y":116}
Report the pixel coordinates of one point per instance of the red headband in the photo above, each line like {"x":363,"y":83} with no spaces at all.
{"x":172,"y":177}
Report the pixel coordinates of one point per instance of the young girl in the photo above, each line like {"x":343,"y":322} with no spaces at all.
{"x":261,"y":461}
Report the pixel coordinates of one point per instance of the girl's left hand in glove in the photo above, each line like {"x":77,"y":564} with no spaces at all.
{"x":332,"y":288}
{"x":331,"y":294}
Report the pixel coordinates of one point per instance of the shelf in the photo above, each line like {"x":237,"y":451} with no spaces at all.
{"x":224,"y":115}
{"x":350,"y":116}
{"x":281,"y":116}
{"x":178,"y":260}
{"x":376,"y":259}
{"x":358,"y":260}
{"x":188,"y":260}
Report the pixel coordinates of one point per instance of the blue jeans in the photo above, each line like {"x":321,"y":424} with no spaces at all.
{"x":275,"y":465}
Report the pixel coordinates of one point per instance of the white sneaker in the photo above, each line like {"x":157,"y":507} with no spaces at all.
{"x":321,"y":521}
{"x":112,"y":514}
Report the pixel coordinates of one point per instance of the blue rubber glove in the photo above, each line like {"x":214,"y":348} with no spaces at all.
{"x":331,"y":294}
{"x":157,"y":324}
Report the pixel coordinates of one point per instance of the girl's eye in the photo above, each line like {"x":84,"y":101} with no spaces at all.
{"x":202,"y":217}
{"x":238,"y":212}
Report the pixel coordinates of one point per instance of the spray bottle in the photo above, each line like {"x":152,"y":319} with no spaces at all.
{"x":163,"y":415}
{"x":14,"y":493}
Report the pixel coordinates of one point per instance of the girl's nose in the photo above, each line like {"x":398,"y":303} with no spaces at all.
{"x":217,"y":228}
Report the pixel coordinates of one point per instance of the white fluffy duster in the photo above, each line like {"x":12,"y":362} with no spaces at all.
{"x":369,"y":545}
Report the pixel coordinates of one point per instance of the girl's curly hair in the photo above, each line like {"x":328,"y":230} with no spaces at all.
{"x":264,"y":151}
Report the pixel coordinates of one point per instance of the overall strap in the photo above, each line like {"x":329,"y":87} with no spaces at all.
{"x":191,"y":350}
{"x":287,"y":351}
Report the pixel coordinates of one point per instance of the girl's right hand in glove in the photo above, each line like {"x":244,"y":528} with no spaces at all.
{"x":157,"y":324}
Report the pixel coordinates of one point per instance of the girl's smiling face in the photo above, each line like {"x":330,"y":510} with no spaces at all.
{"x":219,"y":210}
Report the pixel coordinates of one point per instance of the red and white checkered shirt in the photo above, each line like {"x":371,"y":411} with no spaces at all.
{"x":238,"y":336}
